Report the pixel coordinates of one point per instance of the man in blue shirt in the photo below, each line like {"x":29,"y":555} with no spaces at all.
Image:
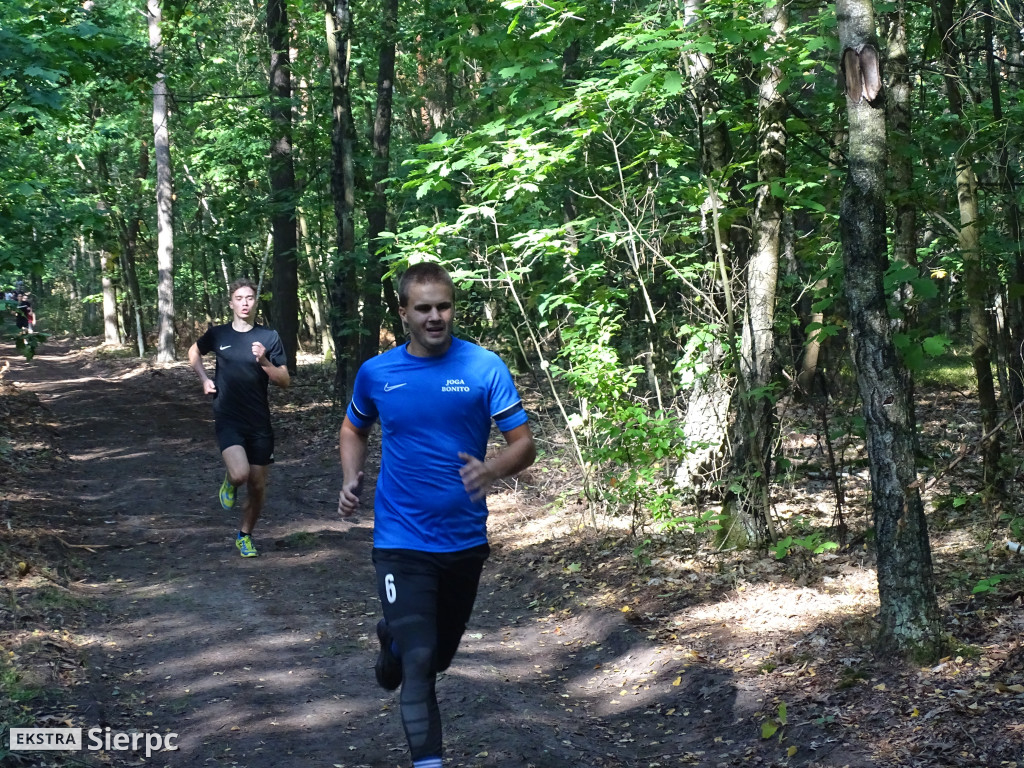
{"x":435,"y":398}
{"x":249,"y":357}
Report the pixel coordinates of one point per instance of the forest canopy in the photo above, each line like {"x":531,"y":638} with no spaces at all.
{"x":651,"y":208}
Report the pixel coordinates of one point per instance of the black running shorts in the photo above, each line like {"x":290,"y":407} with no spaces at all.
{"x":259,"y":446}
{"x":428,"y":597}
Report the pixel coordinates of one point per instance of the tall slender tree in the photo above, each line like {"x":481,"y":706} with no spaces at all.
{"x":707,"y":410}
{"x":164,"y":197}
{"x":758,"y":368}
{"x":908,"y":613}
{"x":344,"y":294}
{"x":969,"y":235}
{"x":377,"y":208}
{"x":285,"y":283}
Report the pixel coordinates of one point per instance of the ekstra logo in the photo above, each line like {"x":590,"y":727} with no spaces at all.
{"x":71,"y":739}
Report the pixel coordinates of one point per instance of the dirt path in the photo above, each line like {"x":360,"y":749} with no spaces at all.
{"x":268,"y":661}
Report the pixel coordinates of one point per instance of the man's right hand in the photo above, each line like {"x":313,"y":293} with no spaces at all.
{"x":348,"y":499}
{"x":209,"y":388}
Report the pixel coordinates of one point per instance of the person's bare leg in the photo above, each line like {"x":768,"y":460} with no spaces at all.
{"x":237,"y":465}
{"x":256,"y":490}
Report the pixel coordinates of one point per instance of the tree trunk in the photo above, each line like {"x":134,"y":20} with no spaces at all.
{"x":898,"y":105}
{"x":319,"y":305}
{"x":164,"y":200}
{"x":376,"y":211}
{"x":285,"y":300}
{"x":905,"y":204}
{"x":344,"y":296}
{"x":111,"y":334}
{"x":758,"y":370}
{"x":808,"y":381}
{"x":128,"y":237}
{"x":975,"y":280}
{"x":908,"y":608}
{"x":1007,"y":181}
{"x":705,"y":424}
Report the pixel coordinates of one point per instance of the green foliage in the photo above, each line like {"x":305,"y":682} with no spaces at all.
{"x":1015,"y":523}
{"x":773,"y":725}
{"x":54,"y":57}
{"x":631,"y":450}
{"x":27,"y":343}
{"x":14,"y":694}
{"x":918,"y":344}
{"x":989,"y":584}
{"x":951,"y":371}
{"x":814,"y":543}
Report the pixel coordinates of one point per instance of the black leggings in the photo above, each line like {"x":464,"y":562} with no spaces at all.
{"x":427,"y":599}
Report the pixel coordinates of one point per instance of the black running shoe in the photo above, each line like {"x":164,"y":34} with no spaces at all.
{"x":388,"y":667}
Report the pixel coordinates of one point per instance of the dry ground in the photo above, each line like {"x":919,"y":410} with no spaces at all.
{"x":125,"y":606}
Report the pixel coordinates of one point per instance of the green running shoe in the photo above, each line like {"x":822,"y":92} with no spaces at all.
{"x":245,"y":546}
{"x":227,"y":494}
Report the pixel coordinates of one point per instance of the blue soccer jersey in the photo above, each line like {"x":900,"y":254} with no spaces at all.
{"x":431,"y":409}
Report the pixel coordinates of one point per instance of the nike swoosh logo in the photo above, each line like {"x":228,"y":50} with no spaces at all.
{"x":226,"y":346}
{"x":389,"y":387}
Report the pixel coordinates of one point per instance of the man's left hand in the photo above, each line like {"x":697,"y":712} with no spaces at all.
{"x":476,"y":477}
{"x":258,"y":351}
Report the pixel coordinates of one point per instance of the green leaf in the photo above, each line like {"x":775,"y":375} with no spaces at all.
{"x":641,"y":83}
{"x":673,"y":82}
{"x":52,"y":75}
{"x":936,"y":346}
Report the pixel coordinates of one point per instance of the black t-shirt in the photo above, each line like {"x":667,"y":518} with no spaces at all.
{"x":241,"y":396}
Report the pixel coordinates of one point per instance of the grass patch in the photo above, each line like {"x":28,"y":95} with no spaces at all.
{"x":949,"y":371}
{"x":14,"y":693}
{"x":116,"y":352}
{"x":299,"y":540}
{"x":54,"y":597}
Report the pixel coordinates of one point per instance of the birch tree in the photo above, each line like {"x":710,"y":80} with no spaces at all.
{"x":909,"y":618}
{"x":164,"y":198}
{"x":757,"y":364}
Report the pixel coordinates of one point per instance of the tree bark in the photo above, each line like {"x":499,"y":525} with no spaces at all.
{"x":705,"y":424}
{"x":908,"y":615}
{"x":344,"y":295}
{"x":164,"y":199}
{"x":318,"y":305}
{"x":111,"y":333}
{"x":905,"y":224}
{"x":975,"y":280}
{"x":758,"y":370}
{"x":377,"y":210}
{"x":128,"y":235}
{"x":1007,"y":182}
{"x":285,"y":281}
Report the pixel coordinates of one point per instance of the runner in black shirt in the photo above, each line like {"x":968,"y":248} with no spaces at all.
{"x":249,"y":357}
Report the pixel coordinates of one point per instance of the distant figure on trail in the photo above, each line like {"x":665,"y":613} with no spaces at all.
{"x":30,"y":312}
{"x":249,"y":357}
{"x":23,"y":313}
{"x":435,"y":398}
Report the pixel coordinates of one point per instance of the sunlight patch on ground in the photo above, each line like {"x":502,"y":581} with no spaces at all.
{"x":784,"y":608}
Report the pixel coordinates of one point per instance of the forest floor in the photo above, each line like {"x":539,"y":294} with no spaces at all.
{"x":127,"y":610}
